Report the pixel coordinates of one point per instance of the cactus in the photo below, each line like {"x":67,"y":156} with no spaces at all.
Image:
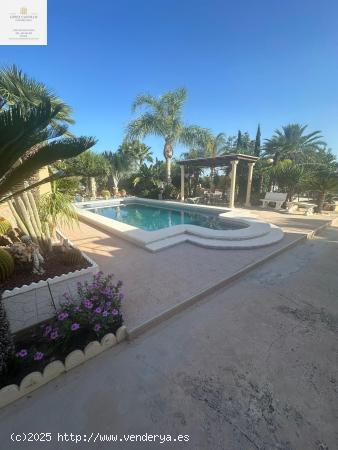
{"x":73,"y":257}
{"x":5,"y":225}
{"x":6,"y":265}
{"x":106,"y":194}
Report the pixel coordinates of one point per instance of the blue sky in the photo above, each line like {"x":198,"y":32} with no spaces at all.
{"x":243,"y":62}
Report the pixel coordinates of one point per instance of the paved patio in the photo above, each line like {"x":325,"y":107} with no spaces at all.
{"x":156,"y":282}
{"x":251,"y":367}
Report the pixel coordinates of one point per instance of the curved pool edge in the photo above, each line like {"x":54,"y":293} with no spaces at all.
{"x":257,"y":233}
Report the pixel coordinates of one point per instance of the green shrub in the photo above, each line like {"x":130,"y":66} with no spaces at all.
{"x":106,"y":194}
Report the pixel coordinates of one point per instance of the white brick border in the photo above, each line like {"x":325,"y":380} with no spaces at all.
{"x":31,"y":304}
{"x":34,"y":380}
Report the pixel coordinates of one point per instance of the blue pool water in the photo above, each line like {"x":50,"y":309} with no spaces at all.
{"x":152,"y":218}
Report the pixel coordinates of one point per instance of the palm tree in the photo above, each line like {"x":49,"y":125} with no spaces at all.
{"x":33,"y":131}
{"x":119,"y":165}
{"x":28,"y":142}
{"x":17,"y":88}
{"x":163,"y":117}
{"x":323,"y":181}
{"x":87,"y":165}
{"x":137,"y":152}
{"x":292,"y":143}
{"x":290,"y":177}
{"x":212,"y":146}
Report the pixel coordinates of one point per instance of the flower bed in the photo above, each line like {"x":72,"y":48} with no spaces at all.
{"x":55,"y":264}
{"x":89,"y":317}
{"x":31,"y":304}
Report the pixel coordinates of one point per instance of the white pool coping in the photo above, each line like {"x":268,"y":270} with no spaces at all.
{"x":254,"y":230}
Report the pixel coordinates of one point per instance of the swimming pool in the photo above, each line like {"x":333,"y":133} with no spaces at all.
{"x":157,"y":224}
{"x":151,"y":218}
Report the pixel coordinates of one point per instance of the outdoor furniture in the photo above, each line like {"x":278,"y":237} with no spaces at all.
{"x":194,"y":200}
{"x":278,"y":198}
{"x":295,"y":206}
{"x":227,"y":162}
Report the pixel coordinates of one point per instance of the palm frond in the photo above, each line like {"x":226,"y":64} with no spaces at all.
{"x":17,"y":88}
{"x":20,"y":130}
{"x":46,"y":154}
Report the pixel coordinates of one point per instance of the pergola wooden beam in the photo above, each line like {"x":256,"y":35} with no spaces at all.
{"x":222,"y":161}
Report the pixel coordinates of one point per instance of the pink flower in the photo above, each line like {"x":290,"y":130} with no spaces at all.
{"x":98,"y":310}
{"x":75,"y":326}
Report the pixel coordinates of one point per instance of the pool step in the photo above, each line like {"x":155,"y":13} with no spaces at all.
{"x":274,"y":235}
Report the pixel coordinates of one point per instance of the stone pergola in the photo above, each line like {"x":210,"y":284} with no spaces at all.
{"x":222,"y":161}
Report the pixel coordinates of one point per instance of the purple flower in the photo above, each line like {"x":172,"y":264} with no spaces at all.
{"x":98,"y":310}
{"x":108,"y":303}
{"x":105,"y":313}
{"x":47,"y":330}
{"x":22,"y":353}
{"x":106,"y":291}
{"x":38,"y":356}
{"x":119,"y":283}
{"x":54,"y":334}
{"x":88,"y":304}
{"x":77,"y":309}
{"x":97,"y":327}
{"x":115,"y":312}
{"x":63,"y":316}
{"x":75,"y":326}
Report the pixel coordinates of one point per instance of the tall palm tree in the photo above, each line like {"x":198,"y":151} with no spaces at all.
{"x":163,"y":117}
{"x":292,"y":143}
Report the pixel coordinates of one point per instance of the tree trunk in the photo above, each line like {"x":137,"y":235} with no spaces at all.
{"x":92,"y":188}
{"x":168,"y":154}
{"x":212,"y":179}
{"x":321,"y":199}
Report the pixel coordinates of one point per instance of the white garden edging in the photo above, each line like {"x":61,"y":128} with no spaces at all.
{"x":34,"y":380}
{"x":30,"y":304}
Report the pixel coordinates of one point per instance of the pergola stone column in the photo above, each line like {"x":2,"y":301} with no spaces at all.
{"x":233,"y":183}
{"x":182,"y":183}
{"x":249,"y":184}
